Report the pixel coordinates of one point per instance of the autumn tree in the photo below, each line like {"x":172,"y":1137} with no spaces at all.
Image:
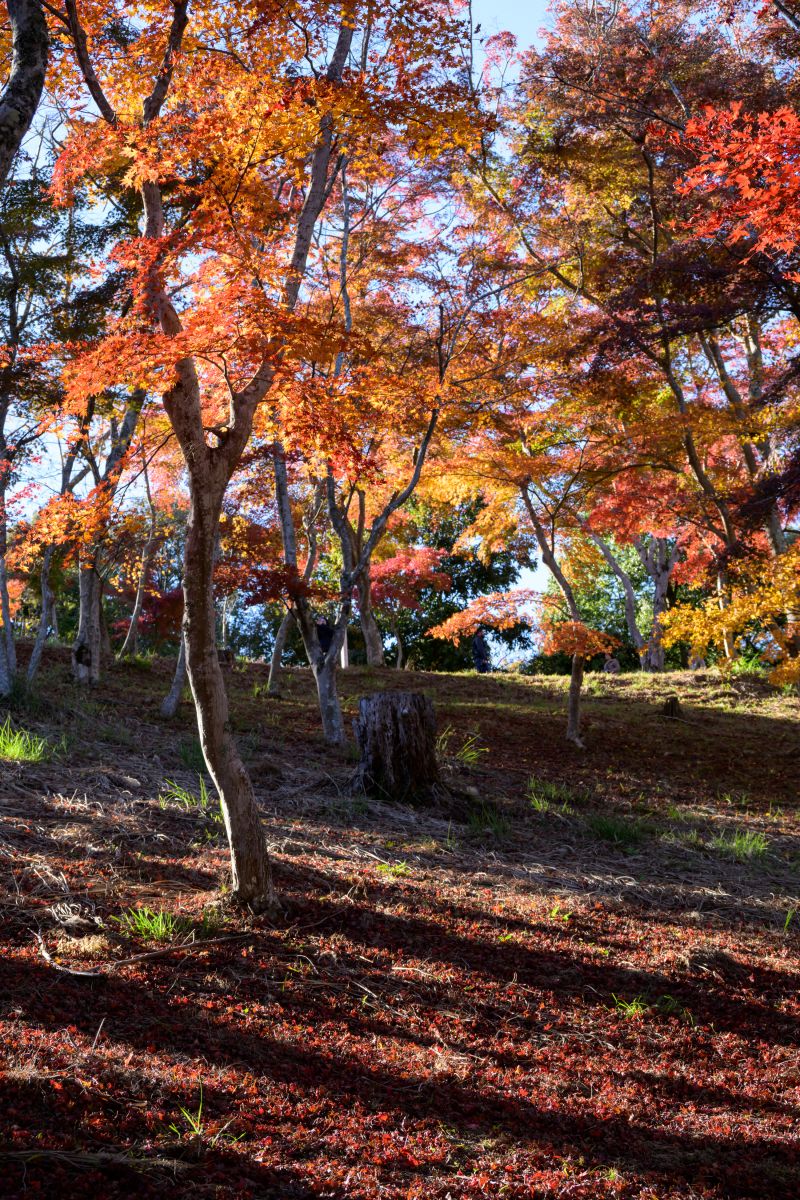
{"x":231,"y":124}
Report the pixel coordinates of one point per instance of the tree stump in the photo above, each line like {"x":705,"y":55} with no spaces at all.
{"x":672,"y":708}
{"x":396,"y":735}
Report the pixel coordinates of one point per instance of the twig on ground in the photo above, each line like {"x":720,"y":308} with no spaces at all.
{"x":183,"y":948}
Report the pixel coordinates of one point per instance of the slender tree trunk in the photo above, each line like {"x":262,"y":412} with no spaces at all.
{"x":369,"y":626}
{"x":400,"y":649}
{"x":131,"y":643}
{"x":173,"y":697}
{"x":223,"y":624}
{"x":210,"y":471}
{"x":727,"y":643}
{"x":250,"y":867}
{"x":281,"y":637}
{"x":627,"y":587}
{"x":551,"y":562}
{"x":105,"y":634}
{"x":48,"y":611}
{"x":6,"y":673}
{"x":659,"y":560}
{"x":86,"y":651}
{"x":9,"y":646}
{"x":574,"y":705}
{"x":323,"y":667}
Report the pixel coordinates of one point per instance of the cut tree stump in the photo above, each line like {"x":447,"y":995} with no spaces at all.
{"x":396,"y":735}
{"x":672,"y":708}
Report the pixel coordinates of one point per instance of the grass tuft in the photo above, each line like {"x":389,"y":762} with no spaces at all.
{"x":545,"y":796}
{"x":152,"y":925}
{"x":158,"y":925}
{"x":395,"y":870}
{"x":468,"y":755}
{"x":204,"y":803}
{"x":631,"y":1009}
{"x":486,"y":817}
{"x":617,"y":830}
{"x":17,"y":745}
{"x":741,"y":844}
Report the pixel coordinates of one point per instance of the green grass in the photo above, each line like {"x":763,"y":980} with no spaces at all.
{"x":673,"y":813}
{"x":191,"y":755}
{"x":632,"y":1009}
{"x":741,"y":844}
{"x":486,"y":817}
{"x":395,"y":870}
{"x":545,"y":796}
{"x":17,"y":745}
{"x":158,"y":925}
{"x":639,"y":1006}
{"x":204,"y":803}
{"x":152,"y":925}
{"x":617,"y":830}
{"x":195,"y":1126}
{"x":175,"y":793}
{"x":668,"y":1006}
{"x":557,"y":913}
{"x":139,"y":662}
{"x":468,"y":754}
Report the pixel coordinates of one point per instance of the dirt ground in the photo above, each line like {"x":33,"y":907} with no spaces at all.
{"x":576,"y":978}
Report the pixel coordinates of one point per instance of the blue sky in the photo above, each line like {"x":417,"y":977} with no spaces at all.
{"x":521,"y":17}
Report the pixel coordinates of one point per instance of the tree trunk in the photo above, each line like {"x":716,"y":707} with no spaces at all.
{"x":86,"y":650}
{"x":330,"y":709}
{"x":627,"y":587}
{"x":173,"y":697}
{"x":23,"y":91}
{"x":224,"y":624}
{"x":131,"y":643}
{"x":373,"y":641}
{"x":400,"y":648}
{"x":728,"y":645}
{"x":574,"y":706}
{"x":396,"y":734}
{"x":48,"y":610}
{"x":250,"y":867}
{"x":551,"y":562}
{"x":653,"y":658}
{"x":274,"y":682}
{"x":9,"y":648}
{"x":659,"y":561}
{"x":105,"y":635}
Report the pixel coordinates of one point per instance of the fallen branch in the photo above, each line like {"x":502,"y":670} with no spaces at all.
{"x":183,"y":948}
{"x":100,"y":1158}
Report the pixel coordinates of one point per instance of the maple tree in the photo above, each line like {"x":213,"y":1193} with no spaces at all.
{"x":250,"y":214}
{"x":398,"y":583}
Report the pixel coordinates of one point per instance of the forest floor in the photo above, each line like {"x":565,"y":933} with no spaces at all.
{"x":579,"y":979}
